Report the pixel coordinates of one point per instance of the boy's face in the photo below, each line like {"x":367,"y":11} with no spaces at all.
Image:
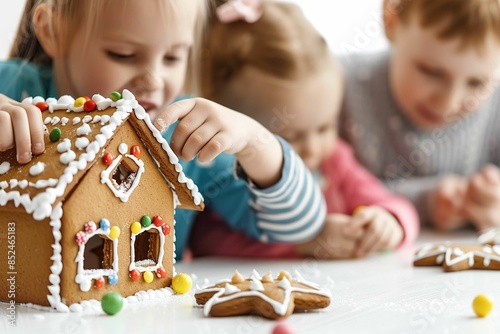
{"x":133,"y":49}
{"x":435,"y":82}
{"x":304,"y":112}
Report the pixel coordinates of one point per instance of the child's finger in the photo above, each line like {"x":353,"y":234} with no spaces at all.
{"x":174,"y":112}
{"x":370,"y":238}
{"x":7,"y":133}
{"x":491,"y":174}
{"x":218,"y":144}
{"x":184,"y":130}
{"x":481,"y":191}
{"x":36,"y":129}
{"x":197,"y":140}
{"x":22,"y":136}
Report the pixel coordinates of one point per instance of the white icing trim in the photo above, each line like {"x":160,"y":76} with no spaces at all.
{"x":488,"y":253}
{"x":4,"y":167}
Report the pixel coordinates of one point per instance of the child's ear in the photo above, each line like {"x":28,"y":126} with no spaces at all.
{"x":44,"y":23}
{"x":390,"y":13}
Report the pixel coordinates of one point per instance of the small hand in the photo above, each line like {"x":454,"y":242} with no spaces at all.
{"x":449,"y":201}
{"x":21,"y":126}
{"x":332,"y":242}
{"x":377,"y":230}
{"x":482,"y":199}
{"x":206,"y":129}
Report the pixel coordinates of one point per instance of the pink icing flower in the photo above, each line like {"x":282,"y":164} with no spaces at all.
{"x":234,"y":10}
{"x":90,"y":227}
{"x":80,"y":238}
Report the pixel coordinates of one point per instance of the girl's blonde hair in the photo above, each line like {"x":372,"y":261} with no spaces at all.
{"x":282,"y":43}
{"x":67,"y":15}
{"x":472,"y":21}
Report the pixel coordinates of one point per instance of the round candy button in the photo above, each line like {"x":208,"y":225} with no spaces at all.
{"x":182,"y":283}
{"x":482,"y":305}
{"x":112,"y":303}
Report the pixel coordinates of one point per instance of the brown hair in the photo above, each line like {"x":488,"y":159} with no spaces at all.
{"x":68,"y":14}
{"x":282,"y":43}
{"x":473,"y":21}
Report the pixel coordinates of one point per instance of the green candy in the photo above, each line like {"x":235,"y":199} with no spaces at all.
{"x":145,"y":221}
{"x":112,"y":303}
{"x":115,"y":96}
{"x":55,"y":135}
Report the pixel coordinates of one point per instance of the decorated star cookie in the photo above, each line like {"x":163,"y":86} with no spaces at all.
{"x":269,"y":297}
{"x":457,"y":257}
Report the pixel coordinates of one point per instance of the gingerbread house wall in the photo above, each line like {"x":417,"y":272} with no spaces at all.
{"x":30,"y":254}
{"x":93,"y":201}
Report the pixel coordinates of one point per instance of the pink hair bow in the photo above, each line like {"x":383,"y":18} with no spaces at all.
{"x":235,"y":10}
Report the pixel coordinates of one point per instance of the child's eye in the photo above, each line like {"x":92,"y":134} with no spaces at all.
{"x":172,"y":58}
{"x":120,"y":56}
{"x":435,"y":73}
{"x":475,"y":84}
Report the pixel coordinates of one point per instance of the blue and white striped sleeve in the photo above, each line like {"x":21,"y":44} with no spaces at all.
{"x":293,"y":210}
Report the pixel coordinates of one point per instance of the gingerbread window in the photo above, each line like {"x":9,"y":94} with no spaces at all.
{"x":98,"y":253}
{"x":123,"y":175}
{"x":147,"y":248}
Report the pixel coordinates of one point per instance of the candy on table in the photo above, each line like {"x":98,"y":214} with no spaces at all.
{"x":482,"y":305}
{"x":182,"y":283}
{"x":112,"y":303}
{"x":283,"y":328}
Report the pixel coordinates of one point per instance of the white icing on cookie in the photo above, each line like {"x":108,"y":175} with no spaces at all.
{"x":4,"y":167}
{"x":37,"y":169}
{"x":123,"y":148}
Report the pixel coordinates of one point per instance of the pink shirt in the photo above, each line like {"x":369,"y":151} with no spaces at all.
{"x":347,"y":185}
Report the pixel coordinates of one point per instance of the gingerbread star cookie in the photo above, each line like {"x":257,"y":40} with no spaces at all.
{"x":271,"y":298}
{"x":457,"y":257}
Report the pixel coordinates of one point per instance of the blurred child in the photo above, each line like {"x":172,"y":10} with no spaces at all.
{"x":84,"y":47}
{"x":278,"y":70}
{"x":423,"y":117}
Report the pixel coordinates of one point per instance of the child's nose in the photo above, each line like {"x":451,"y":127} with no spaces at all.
{"x":451,"y":100}
{"x":148,"y":80}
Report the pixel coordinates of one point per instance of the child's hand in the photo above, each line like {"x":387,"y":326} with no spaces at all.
{"x":207,"y":129}
{"x":377,"y":230}
{"x":482,"y":200}
{"x":449,"y":203}
{"x":21,"y":126}
{"x":332,"y":242}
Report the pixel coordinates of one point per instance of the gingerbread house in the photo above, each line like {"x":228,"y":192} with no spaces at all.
{"x":95,"y":212}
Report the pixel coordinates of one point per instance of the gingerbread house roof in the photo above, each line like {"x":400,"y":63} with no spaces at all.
{"x":45,"y":181}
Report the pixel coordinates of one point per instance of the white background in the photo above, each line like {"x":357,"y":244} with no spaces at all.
{"x":353,"y":25}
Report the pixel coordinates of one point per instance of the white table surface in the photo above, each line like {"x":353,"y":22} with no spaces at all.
{"x":379,"y":294}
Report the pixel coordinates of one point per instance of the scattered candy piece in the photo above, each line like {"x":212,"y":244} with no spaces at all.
{"x":107,"y":158}
{"x":90,"y":227}
{"x":113,"y":279}
{"x":136,"y":151}
{"x":114,"y":232}
{"x":55,"y":135}
{"x":146,"y":220}
{"x":79,"y":102}
{"x":135,"y":275}
{"x":182,"y":283}
{"x":112,"y":303}
{"x":282,"y":328}
{"x":42,"y":106}
{"x":358,"y":210}
{"x":161,"y":273}
{"x":99,"y":283}
{"x":165,"y":229}
{"x":104,"y":224}
{"x":80,"y":238}
{"x":89,"y":105}
{"x":136,"y":227}
{"x":482,"y":305}
{"x":158,"y":220}
{"x":115,"y":96}
{"x":148,"y":276}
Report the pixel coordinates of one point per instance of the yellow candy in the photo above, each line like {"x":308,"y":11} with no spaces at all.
{"x":136,"y":227}
{"x":482,"y":305}
{"x":114,"y":232}
{"x":182,"y":283}
{"x":358,"y":210}
{"x":148,"y":276}
{"x":80,"y":102}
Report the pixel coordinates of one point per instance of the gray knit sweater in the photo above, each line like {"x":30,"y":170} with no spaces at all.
{"x":411,"y":161}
